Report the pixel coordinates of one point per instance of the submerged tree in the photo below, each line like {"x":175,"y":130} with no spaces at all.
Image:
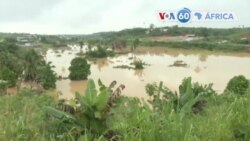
{"x":79,"y":69}
{"x":136,"y":43}
{"x":81,"y":44}
{"x":46,"y":76}
{"x":38,"y":71}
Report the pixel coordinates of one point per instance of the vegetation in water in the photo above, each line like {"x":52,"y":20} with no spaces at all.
{"x":79,"y":69}
{"x":123,"y":67}
{"x":139,"y":64}
{"x":18,"y":64}
{"x":100,"y":52}
{"x":136,"y":64}
{"x":179,"y":63}
{"x":194,"y":112}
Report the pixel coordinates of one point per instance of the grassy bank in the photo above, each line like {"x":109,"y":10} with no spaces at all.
{"x":223,"y":117}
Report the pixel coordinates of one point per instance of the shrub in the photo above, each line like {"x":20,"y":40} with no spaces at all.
{"x":191,"y":96}
{"x":3,"y":87}
{"x":238,"y":85}
{"x":139,"y":64}
{"x":79,"y":69}
{"x":9,"y":76}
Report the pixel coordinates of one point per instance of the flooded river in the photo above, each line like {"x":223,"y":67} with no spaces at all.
{"x":203,"y":66}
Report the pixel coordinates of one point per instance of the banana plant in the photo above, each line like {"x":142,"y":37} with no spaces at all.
{"x":189,"y":97}
{"x":91,"y":110}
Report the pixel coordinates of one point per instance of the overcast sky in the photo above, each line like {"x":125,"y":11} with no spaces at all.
{"x":89,"y":16}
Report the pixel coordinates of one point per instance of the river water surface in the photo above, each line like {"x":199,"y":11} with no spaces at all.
{"x":203,"y":66}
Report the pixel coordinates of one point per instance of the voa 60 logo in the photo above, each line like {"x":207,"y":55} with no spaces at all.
{"x":183,"y":15}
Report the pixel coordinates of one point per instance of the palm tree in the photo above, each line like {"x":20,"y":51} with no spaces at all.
{"x":81,"y":44}
{"x":32,"y":61}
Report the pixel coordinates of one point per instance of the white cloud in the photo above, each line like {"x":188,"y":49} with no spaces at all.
{"x":88,"y":16}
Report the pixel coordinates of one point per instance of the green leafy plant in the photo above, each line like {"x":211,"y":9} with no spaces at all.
{"x":238,"y":85}
{"x":90,"y":111}
{"x":191,"y":97}
{"x":79,"y":69}
{"x":9,"y":76}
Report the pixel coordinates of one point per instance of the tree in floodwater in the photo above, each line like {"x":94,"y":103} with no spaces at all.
{"x":46,"y":76}
{"x":38,"y":71}
{"x":81,"y":44}
{"x":79,"y":69}
{"x":136,"y":43}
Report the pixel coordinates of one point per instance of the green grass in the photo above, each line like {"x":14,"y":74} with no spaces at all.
{"x":22,"y":117}
{"x":224,"y":118}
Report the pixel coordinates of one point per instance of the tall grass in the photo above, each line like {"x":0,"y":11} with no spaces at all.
{"x":225,"y":117}
{"x":22,"y":117}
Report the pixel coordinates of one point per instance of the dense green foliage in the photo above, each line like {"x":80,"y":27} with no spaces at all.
{"x":24,"y":64}
{"x":191,"y":97}
{"x":235,"y":39}
{"x":3,"y":87}
{"x":8,"y":75}
{"x":46,"y":76}
{"x":10,"y":63}
{"x":90,"y":116}
{"x":79,"y":69}
{"x":37,"y":70}
{"x":33,"y":116}
{"x":238,"y":85}
{"x":32,"y":63}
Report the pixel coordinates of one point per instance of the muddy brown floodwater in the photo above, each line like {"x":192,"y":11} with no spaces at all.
{"x":203,"y":66}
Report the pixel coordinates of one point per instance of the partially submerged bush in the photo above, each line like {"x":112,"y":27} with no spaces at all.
{"x":139,"y":64}
{"x":179,"y":63}
{"x":99,"y":53}
{"x":238,"y":85}
{"x":79,"y":69}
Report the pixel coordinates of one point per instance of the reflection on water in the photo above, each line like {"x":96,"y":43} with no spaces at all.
{"x":204,"y":67}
